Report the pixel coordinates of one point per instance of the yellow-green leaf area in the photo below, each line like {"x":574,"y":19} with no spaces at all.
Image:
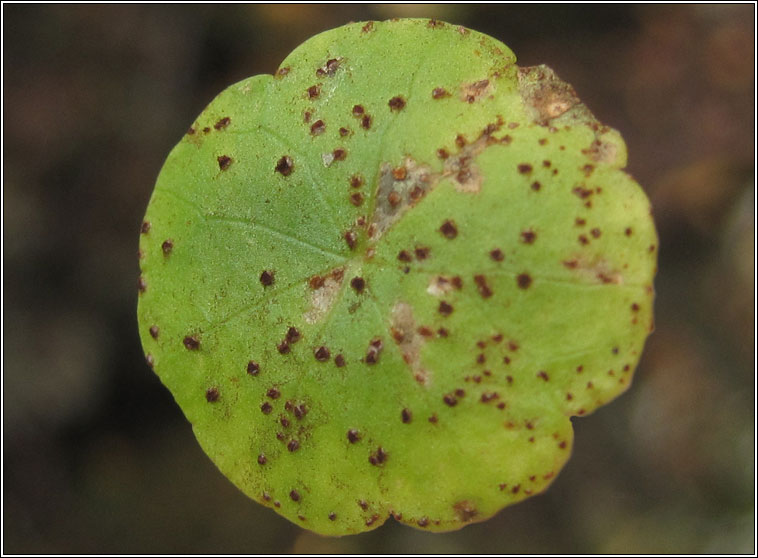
{"x":382,"y":280}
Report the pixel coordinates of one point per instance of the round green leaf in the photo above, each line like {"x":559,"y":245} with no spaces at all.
{"x":382,"y":280}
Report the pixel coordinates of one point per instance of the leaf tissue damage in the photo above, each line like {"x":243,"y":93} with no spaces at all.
{"x":380,"y":283}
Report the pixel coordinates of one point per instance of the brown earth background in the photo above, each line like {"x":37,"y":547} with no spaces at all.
{"x":99,"y":459}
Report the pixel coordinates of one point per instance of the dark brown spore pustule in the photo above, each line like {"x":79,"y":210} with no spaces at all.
{"x":465,"y":510}
{"x":339,"y":154}
{"x":378,"y":457}
{"x":321,"y":354}
{"x":167,"y":246}
{"x":351,"y":239}
{"x":295,"y":495}
{"x":524,"y":280}
{"x":154,"y":331}
{"x":262,"y":459}
{"x":293,"y":445}
{"x":267,"y":278}
{"x":339,"y":361}
{"x":212,"y":394}
{"x":358,"y":284}
{"x":449,"y":229}
{"x":145,"y":227}
{"x":353,"y":436}
{"x":314,"y":91}
{"x":283,"y":347}
{"x":318,"y":127}
{"x":374,"y":350}
{"x":543,"y":375}
{"x":524,"y":168}
{"x":404,"y":256}
{"x":253,"y":368}
{"x":406,"y":415}
{"x":224,"y":161}
{"x":285,"y":166}
{"x":223,"y":123}
{"x":293,"y":335}
{"x":191,"y":343}
{"x":396,"y":103}
{"x":450,"y":400}
{"x":332,"y":516}
{"x":141,"y":284}
{"x":497,"y":255}
{"x":482,"y":286}
{"x":266,"y":408}
{"x":366,"y":122}
{"x":422,"y":252}
{"x":528,"y":236}
{"x":445,"y":308}
{"x":358,"y":110}
{"x":356,"y":199}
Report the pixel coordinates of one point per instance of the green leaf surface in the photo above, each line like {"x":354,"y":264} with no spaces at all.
{"x":382,"y":280}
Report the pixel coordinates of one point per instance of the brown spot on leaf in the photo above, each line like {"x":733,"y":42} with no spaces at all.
{"x":524,"y":168}
{"x":358,"y":110}
{"x":497,"y":255}
{"x":154,"y":331}
{"x":293,"y":445}
{"x":339,"y":154}
{"x":365,"y":29}
{"x":406,"y":415}
{"x":314,"y":91}
{"x":253,"y":368}
{"x":283,"y":347}
{"x":445,"y":308}
{"x":536,"y":186}
{"x":266,"y":408}
{"x":145,"y":227}
{"x":450,"y":400}
{"x":358,"y":284}
{"x":294,"y":495}
{"x":543,"y":375}
{"x":404,"y":256}
{"x":339,"y":361}
{"x":212,"y":394}
{"x":422,"y":252}
{"x":356,"y":198}
{"x":329,"y":68}
{"x":262,"y":459}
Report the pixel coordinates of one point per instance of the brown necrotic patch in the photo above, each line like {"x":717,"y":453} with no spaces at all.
{"x":409,"y":340}
{"x":398,"y":190}
{"x":476,"y":91}
{"x":324,"y":296}
{"x":440,"y":93}
{"x":546,"y":96}
{"x":285,"y":166}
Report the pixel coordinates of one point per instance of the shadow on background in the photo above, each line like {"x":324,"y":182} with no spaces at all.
{"x":98,"y":458}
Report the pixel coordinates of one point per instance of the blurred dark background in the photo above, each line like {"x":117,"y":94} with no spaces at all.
{"x":97,"y":457}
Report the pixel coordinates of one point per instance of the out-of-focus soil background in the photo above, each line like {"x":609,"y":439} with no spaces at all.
{"x":98,"y":458}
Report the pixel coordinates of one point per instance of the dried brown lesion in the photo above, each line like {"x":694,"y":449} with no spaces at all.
{"x":324,"y":291}
{"x":546,"y":97}
{"x":405,"y":334}
{"x":594,"y":270}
